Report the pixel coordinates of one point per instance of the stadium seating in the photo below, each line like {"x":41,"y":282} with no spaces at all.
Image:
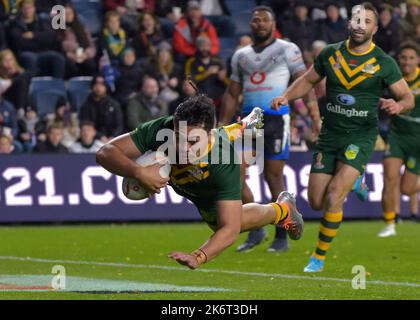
{"x":227,"y":43}
{"x":90,"y":14}
{"x":78,"y":89}
{"x":241,"y":20}
{"x":240,"y":5}
{"x":44,"y":93}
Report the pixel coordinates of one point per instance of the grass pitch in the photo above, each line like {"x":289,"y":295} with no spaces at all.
{"x":129,"y":262}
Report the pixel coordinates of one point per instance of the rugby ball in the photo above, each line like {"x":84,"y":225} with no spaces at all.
{"x":131,"y":187}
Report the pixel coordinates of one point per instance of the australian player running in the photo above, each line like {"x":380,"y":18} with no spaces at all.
{"x":403,"y":144}
{"x":356,"y":72}
{"x":214,"y":188}
{"x":260,"y":72}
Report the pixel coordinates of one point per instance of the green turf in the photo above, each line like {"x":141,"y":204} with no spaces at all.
{"x":394,"y":259}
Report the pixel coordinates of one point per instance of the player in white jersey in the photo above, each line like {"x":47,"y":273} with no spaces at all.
{"x":260,"y":72}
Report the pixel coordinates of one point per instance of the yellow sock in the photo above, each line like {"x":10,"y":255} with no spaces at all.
{"x":389,"y":217}
{"x":281,"y":210}
{"x":327,"y":231}
{"x":233,"y":131}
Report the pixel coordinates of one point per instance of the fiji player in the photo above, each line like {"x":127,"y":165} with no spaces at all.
{"x":357,"y":72}
{"x":403,"y":144}
{"x":213,"y":186}
{"x":262,"y":71}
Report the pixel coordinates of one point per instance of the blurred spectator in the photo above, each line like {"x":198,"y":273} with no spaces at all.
{"x":192,"y":26}
{"x":148,"y":36}
{"x":407,"y":26}
{"x":169,"y":13}
{"x":8,"y":10}
{"x":67,"y":119}
{"x":186,"y":91}
{"x":87,"y":143}
{"x":31,"y":129}
{"x":218,"y":13}
{"x":44,"y":7}
{"x":130,"y":77}
{"x":207,"y":71}
{"x":6,"y":144}
{"x":77,"y":46}
{"x":146,"y":105}
{"x":334,"y":28}
{"x":387,"y":36}
{"x":167,"y":72}
{"x":17,"y":92}
{"x":114,"y":38}
{"x":103,"y":111}
{"x":8,"y":118}
{"x":35,"y":43}
{"x":297,"y":141}
{"x":53,"y":142}
{"x":300,"y":29}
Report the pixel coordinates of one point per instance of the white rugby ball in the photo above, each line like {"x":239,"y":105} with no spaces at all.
{"x":132,"y":188}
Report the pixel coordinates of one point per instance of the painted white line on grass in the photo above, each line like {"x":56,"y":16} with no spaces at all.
{"x":233,"y":272}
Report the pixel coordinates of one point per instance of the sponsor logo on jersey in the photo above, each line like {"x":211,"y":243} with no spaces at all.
{"x":346,"y":99}
{"x":258,"y":77}
{"x":346,"y":112}
{"x":351,"y":152}
{"x":411,"y":162}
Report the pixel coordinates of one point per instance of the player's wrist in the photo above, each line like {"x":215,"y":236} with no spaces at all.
{"x":200,"y":256}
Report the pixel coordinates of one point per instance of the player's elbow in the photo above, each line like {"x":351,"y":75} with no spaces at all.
{"x":231,"y":235}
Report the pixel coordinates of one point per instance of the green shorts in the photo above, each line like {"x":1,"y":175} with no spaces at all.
{"x":209,"y":215}
{"x":354,"y":149}
{"x":405,"y":148}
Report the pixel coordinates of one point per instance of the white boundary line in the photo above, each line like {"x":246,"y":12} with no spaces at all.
{"x":233,"y":272}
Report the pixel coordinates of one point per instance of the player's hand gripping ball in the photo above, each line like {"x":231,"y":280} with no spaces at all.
{"x":132,"y":188}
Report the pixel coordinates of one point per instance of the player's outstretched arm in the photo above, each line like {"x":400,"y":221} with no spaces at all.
{"x":229,"y":221}
{"x":230,"y":99}
{"x":404,"y":99}
{"x":298,"y":89}
{"x":116,"y":157}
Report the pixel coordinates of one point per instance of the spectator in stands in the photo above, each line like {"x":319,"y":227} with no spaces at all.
{"x":207,"y":70}
{"x":334,"y":28}
{"x":31,"y":129}
{"x":87,"y":143}
{"x":146,"y":105}
{"x":8,"y":118}
{"x":387,"y":36}
{"x":167,"y":72}
{"x":169,"y":13}
{"x":77,"y":45}
{"x":114,"y":38}
{"x":130,"y":77}
{"x":17,"y":92}
{"x":6,"y":144}
{"x":148,"y":36}
{"x":53,"y":142}
{"x":186,"y":91}
{"x":3,"y":38}
{"x":407,"y":26}
{"x":103,"y":111}
{"x":8,"y":10}
{"x":35,"y":43}
{"x":45,"y":6}
{"x":67,"y":119}
{"x":189,"y":28}
{"x":300,"y":29}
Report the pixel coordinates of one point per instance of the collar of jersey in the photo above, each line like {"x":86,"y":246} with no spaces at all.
{"x":416,"y":74}
{"x":372,"y":46}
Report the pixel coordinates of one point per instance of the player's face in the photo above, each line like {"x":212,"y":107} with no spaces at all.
{"x":87,"y":134}
{"x":262,"y":26}
{"x":191,"y":143}
{"x":409,"y":60}
{"x":363,"y":26}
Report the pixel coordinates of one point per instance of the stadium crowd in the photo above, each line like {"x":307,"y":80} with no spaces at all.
{"x":120,"y":63}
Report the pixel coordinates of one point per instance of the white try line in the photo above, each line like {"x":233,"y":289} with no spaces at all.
{"x":233,"y":272}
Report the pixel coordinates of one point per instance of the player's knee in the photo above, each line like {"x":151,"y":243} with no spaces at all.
{"x":315,"y":202}
{"x":408,"y":190}
{"x":335,"y":196}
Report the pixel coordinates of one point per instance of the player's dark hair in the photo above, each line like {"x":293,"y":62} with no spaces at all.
{"x":264,"y":8}
{"x":197,"y":111}
{"x":369,"y":6}
{"x":409,"y":45}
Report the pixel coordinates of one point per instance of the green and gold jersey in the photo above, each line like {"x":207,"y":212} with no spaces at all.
{"x":355,"y":82}
{"x":409,"y":124}
{"x":204,"y":183}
